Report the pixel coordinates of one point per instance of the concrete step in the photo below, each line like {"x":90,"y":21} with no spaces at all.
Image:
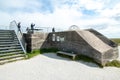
{"x":11,"y":60}
{"x":5,"y":31}
{"x":11,"y":36}
{"x":15,"y":42}
{"x":12,"y":56}
{"x":6,"y":43}
{"x":6,"y":40}
{"x":9,"y":45}
{"x":12,"y":47}
{"x":7,"y":54}
{"x":11,"y":50}
{"x":12,"y":39}
{"x":5,"y":35}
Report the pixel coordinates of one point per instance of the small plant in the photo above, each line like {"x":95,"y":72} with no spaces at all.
{"x":33,"y":53}
{"x":114,"y":63}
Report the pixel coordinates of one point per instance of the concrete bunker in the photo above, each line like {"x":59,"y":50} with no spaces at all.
{"x":87,"y":42}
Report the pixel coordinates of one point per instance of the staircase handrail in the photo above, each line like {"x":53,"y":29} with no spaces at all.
{"x":19,"y":36}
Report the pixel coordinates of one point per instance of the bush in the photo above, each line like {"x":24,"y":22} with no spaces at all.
{"x":116,"y":40}
{"x":114,"y":63}
{"x":33,"y":53}
{"x":41,"y":51}
{"x":84,"y":58}
{"x":87,"y":59}
{"x":47,"y":50}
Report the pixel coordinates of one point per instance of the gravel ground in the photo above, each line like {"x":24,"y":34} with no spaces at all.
{"x":52,"y":67}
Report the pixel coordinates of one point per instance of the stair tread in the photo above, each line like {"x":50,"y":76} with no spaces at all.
{"x":12,"y":56}
{"x":10,"y":48}
{"x":6,"y":42}
{"x":13,"y":47}
{"x":14,"y":50}
{"x":9,"y":42}
{"x":11,"y":60}
{"x":12,"y":53}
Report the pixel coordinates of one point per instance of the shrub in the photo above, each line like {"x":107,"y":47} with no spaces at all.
{"x":47,"y":50}
{"x":33,"y":53}
{"x":116,"y":40}
{"x":41,"y":51}
{"x":114,"y":63}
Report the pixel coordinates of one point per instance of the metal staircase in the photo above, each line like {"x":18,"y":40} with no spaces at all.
{"x":10,"y":47}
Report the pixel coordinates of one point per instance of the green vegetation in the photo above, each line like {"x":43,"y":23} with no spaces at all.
{"x":117,"y":40}
{"x":33,"y":53}
{"x":84,"y":58}
{"x":47,"y":50}
{"x":87,"y":59}
{"x":114,"y":63}
{"x":41,"y":51}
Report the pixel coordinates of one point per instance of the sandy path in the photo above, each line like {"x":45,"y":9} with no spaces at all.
{"x":52,"y":67}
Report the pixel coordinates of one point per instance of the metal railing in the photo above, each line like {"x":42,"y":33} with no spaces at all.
{"x":13,"y":26}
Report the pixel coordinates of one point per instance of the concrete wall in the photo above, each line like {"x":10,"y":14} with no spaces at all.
{"x":74,"y":41}
{"x":36,"y":41}
{"x":103,"y":38}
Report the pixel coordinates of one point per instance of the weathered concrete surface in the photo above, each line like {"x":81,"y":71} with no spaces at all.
{"x":36,"y":41}
{"x":85,"y":42}
{"x":102,"y":37}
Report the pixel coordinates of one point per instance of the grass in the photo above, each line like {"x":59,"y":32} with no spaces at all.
{"x":87,"y":59}
{"x":48,"y":50}
{"x":41,"y":51}
{"x":33,"y":54}
{"x":114,"y":63}
{"x":82,"y":58}
{"x":117,"y":40}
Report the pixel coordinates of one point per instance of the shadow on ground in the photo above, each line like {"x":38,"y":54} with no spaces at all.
{"x":55,"y":56}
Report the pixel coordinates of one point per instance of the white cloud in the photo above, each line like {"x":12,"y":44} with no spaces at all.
{"x":92,"y":4}
{"x":61,"y":18}
{"x":111,"y":31}
{"x":110,"y":12}
{"x":5,"y":18}
{"x":64,"y":15}
{"x":18,"y":5}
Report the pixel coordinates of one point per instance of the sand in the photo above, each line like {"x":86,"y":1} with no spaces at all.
{"x":49,"y":66}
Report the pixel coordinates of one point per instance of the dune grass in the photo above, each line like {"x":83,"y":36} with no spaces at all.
{"x":116,"y":40}
{"x":33,"y":54}
{"x":41,"y":51}
{"x":114,"y":63}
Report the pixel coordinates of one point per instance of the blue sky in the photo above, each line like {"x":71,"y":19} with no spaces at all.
{"x":102,"y":15}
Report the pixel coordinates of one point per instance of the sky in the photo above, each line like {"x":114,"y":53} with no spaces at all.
{"x":101,"y":15}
